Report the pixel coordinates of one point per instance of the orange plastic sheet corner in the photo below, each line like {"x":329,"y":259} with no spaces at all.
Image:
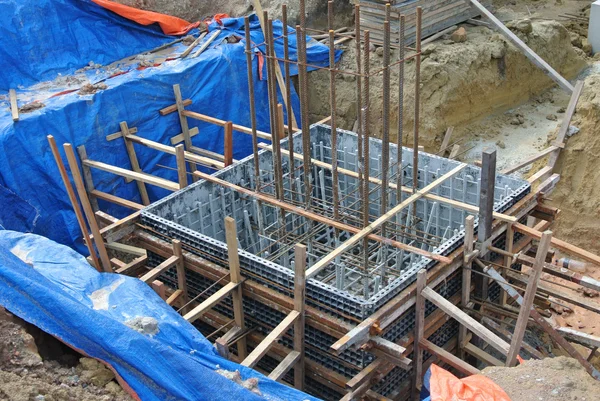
{"x":444,"y":386}
{"x":170,"y":25}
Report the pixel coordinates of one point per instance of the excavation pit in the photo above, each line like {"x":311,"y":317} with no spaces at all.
{"x":195,"y":215}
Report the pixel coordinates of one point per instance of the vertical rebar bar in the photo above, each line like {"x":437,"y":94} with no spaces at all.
{"x":252,"y":104}
{"x":399,"y":140}
{"x":417,"y":101}
{"x":332,"y":101}
{"x":366,"y":155}
{"x":358,"y":94}
{"x":289,"y":111}
{"x":385,"y":146}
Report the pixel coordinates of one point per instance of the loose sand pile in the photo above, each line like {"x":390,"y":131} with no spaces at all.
{"x":550,"y":379}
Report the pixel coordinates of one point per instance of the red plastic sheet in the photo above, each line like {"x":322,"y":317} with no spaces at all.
{"x":170,"y":25}
{"x":444,"y":386}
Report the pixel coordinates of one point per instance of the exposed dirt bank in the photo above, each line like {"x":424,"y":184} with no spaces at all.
{"x":36,"y":366}
{"x":460,"y":82}
{"x":550,"y":379}
{"x":578,"y":192}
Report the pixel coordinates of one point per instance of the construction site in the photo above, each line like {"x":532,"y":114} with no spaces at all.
{"x":312,"y":200}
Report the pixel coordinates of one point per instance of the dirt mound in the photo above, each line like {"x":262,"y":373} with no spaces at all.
{"x":460,"y":82}
{"x":550,"y":379}
{"x":36,"y":366}
{"x":578,"y":192}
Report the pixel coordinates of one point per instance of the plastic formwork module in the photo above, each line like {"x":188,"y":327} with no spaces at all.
{"x":195,"y":216}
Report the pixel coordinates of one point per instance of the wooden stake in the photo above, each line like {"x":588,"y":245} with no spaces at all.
{"x":540,"y":258}
{"x":466,"y":278}
{"x":184,"y":124}
{"x":181,"y":277}
{"x":419,"y":330}
{"x":87,"y":207}
{"x":74,"y":203}
{"x":181,"y":169}
{"x":299,"y":294}
{"x":228,"y":145}
{"x":236,"y":277}
{"x":87,"y":178}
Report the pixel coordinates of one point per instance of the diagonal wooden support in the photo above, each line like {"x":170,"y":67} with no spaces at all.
{"x":448,"y":358}
{"x":210,"y":302}
{"x":185,"y":130}
{"x":321,"y":264}
{"x":160,"y":269}
{"x":135,"y":165}
{"x":473,"y":325}
{"x":547,"y":327}
{"x":285,"y":365}
{"x":530,"y":291}
{"x":262,"y":348}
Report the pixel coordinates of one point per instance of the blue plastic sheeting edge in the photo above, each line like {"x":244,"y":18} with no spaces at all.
{"x":54,"y":288}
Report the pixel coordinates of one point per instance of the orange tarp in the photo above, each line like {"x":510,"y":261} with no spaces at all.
{"x":170,"y":25}
{"x":444,"y":386}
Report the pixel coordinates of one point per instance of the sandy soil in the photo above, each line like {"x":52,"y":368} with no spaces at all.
{"x":550,"y":379}
{"x":36,"y":366}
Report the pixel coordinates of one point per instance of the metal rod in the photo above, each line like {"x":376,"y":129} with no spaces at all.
{"x":399,"y":139}
{"x":286,"y":69}
{"x":417,"y":102}
{"x":385,"y":146}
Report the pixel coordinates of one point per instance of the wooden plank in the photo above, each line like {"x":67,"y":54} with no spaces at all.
{"x":210,"y":302}
{"x":314,"y":216}
{"x":135,"y":165}
{"x":14,"y":109}
{"x":446,"y":141}
{"x":466,"y":277}
{"x":121,"y":228}
{"x":542,"y":172}
{"x":432,"y":197}
{"x":228,"y":143}
{"x":185,"y":129}
{"x":483,"y":356}
{"x":476,"y":327}
{"x":160,"y":269}
{"x":173,"y":108}
{"x":191,"y":157}
{"x":174,"y":297}
{"x":417,"y":378}
{"x":566,"y":122}
{"x":358,"y":335}
{"x":180,"y":138}
{"x":262,"y":348}
{"x":87,"y":207}
{"x":323,"y":262}
{"x":236,"y":277}
{"x":147,"y":178}
{"x":193,"y":45}
{"x":448,"y":358}
{"x":560,"y":340}
{"x":159,"y":287}
{"x":181,"y":277}
{"x":87,"y":178}
{"x":181,"y":168}
{"x":529,"y":160}
{"x":285,"y":366}
{"x":562,"y":245}
{"x":527,"y":52}
{"x":206,"y":43}
{"x":116,"y":200}
{"x":216,"y":121}
{"x":133,"y":266}
{"x":132,"y":250}
{"x":508,"y":335}
{"x":117,"y":135}
{"x":73,"y":199}
{"x":300,"y":255}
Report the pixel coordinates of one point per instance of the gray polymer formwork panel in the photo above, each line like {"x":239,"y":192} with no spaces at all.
{"x":171,"y":217}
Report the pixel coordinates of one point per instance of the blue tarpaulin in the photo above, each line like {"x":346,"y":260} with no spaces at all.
{"x":55,"y":289}
{"x":32,"y":196}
